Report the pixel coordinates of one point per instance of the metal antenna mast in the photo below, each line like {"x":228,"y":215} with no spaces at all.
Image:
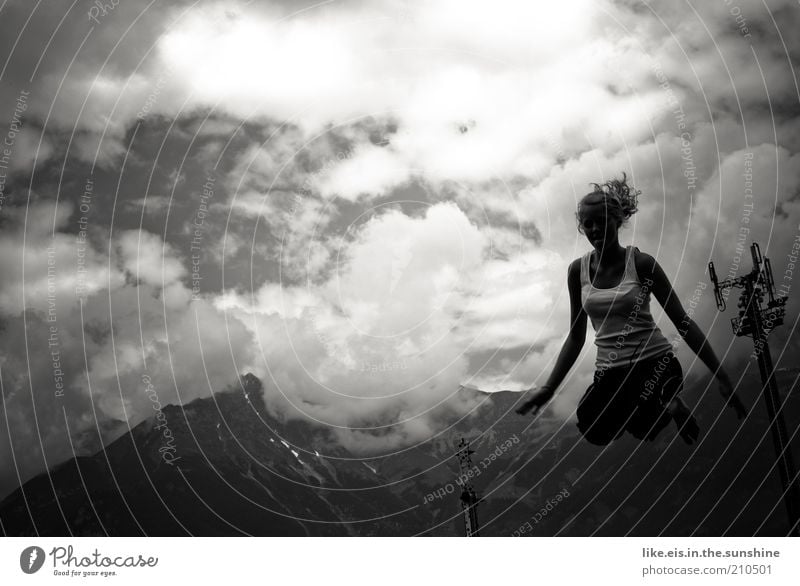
{"x":757,"y":322}
{"x":469,"y":498}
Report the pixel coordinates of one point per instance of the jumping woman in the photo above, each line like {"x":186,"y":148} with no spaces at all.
{"x":638,"y":378}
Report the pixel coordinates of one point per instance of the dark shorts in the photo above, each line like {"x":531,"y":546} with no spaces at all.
{"x":632,"y":399}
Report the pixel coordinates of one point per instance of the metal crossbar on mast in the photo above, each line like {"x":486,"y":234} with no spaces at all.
{"x":757,"y":322}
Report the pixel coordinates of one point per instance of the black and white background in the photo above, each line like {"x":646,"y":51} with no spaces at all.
{"x":249,"y":251}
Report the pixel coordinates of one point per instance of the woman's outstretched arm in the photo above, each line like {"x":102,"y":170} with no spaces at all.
{"x":687,"y":328}
{"x":571,"y":348}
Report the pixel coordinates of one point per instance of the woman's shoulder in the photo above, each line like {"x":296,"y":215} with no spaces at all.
{"x":577,"y":262}
{"x":574,"y":272}
{"x":575,"y":265}
{"x":644,"y":262}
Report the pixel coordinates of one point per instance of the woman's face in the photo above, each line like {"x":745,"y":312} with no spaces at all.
{"x":599,"y":226}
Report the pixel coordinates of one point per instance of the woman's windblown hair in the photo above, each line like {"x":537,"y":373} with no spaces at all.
{"x":619,"y":198}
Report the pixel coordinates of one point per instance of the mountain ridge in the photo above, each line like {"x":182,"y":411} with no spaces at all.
{"x":237,"y":469}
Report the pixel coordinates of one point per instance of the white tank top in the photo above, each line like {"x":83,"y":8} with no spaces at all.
{"x":624,"y":328}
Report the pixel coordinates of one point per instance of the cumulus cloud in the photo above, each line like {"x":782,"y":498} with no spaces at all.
{"x":73,"y":358}
{"x":396,"y":195}
{"x":390,"y":308}
{"x":40,"y":262}
{"x":149,"y":259}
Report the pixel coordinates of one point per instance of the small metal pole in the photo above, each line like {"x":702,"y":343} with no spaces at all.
{"x":469,"y":498}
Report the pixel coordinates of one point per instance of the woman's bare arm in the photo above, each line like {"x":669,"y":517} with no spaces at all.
{"x":654,"y":276}
{"x":570,"y":349}
{"x":576,"y":337}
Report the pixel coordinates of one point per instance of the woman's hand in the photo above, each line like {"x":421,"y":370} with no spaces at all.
{"x":732,"y":399}
{"x":535,"y":398}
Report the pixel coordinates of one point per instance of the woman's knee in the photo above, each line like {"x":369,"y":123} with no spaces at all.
{"x":672,"y":385}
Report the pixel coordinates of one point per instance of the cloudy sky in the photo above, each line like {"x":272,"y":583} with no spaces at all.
{"x":363,"y":203}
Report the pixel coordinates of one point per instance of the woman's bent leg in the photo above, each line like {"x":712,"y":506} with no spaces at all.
{"x":603,"y":410}
{"x":660,"y":382}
